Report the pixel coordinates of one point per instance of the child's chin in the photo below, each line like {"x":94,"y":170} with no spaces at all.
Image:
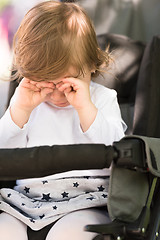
{"x":59,"y":104}
{"x":62,"y":104}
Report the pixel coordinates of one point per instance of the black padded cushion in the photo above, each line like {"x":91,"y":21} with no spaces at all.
{"x":46,"y":160}
{"x":147,"y":106}
{"x":127,"y":54}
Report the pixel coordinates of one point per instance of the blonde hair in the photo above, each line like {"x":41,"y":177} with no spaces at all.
{"x":54,"y":36}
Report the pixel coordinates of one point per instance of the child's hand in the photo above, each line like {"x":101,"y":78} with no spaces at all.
{"x":78,"y":95}
{"x":76,"y":91}
{"x":29,"y":94}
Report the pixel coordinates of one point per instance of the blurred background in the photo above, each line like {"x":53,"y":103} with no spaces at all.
{"x":137,"y":19}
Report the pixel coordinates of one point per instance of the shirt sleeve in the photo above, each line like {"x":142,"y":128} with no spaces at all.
{"x":108,"y":125}
{"x":11,"y":136}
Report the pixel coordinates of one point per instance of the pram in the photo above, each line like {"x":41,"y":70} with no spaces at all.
{"x":132,"y":158}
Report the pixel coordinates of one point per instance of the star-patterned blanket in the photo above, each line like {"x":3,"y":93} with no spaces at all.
{"x":42,"y":202}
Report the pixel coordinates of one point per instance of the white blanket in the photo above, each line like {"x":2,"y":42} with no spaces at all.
{"x":42,"y":202}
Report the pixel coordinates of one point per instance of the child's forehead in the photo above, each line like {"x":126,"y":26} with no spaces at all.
{"x":60,"y":79}
{"x":71,"y":72}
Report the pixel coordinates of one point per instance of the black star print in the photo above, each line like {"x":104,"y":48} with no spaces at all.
{"x":54,"y":207}
{"x":64,"y":194}
{"x":23,"y":204}
{"x":90,"y":198}
{"x":104,"y":195}
{"x":101,"y":188}
{"x":75,"y":184}
{"x":32,"y":220}
{"x":44,"y":182}
{"x":42,"y":216}
{"x":87,"y":177}
{"x":46,"y":197}
{"x":9,"y":194}
{"x":26,"y":189}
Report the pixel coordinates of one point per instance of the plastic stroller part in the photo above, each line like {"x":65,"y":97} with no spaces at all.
{"x":130,"y":154}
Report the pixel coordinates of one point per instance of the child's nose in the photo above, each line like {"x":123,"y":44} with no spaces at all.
{"x":57,"y":94}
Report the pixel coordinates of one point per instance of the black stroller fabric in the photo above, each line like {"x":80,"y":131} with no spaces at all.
{"x":146,"y":113}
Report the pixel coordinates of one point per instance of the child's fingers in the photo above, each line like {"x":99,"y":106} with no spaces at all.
{"x":58,"y":84}
{"x":31,"y":86}
{"x":68,"y":90}
{"x":32,"y":82}
{"x":74,"y":81}
{"x":39,"y":85}
{"x":45,"y":91}
{"x":45,"y":85}
{"x":65,"y":86}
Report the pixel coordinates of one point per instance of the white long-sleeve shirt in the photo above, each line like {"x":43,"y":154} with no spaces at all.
{"x":52,"y":125}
